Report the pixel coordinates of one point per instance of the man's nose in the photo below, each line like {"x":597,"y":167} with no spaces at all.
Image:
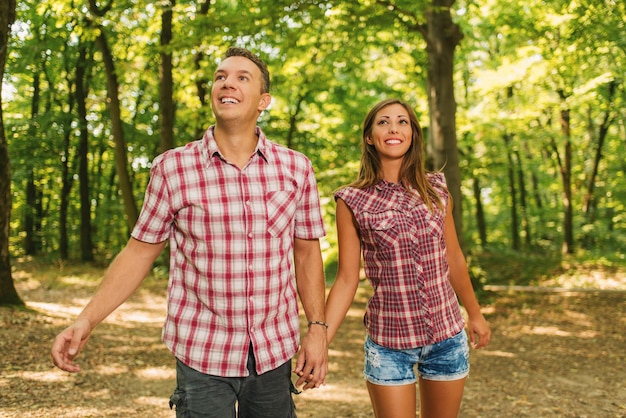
{"x":228,"y":83}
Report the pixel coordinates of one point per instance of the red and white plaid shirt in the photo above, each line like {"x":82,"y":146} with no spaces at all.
{"x":404,"y":255}
{"x":231,"y":235}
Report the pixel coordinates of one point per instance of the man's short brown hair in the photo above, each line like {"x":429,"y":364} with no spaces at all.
{"x":265,"y":74}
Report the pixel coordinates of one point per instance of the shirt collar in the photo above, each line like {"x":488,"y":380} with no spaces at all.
{"x":262,"y":148}
{"x":387,"y":185}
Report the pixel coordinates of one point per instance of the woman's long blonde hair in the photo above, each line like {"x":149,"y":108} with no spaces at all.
{"x":412,"y":170}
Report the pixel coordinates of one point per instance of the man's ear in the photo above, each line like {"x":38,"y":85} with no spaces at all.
{"x":265,"y":101}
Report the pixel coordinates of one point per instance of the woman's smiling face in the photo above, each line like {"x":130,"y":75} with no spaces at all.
{"x":391,"y":132}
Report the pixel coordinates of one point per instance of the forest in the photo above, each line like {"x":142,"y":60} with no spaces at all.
{"x":523,"y":109}
{"x":522,"y":104}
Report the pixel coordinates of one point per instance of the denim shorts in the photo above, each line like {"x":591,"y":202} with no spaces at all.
{"x":443,"y":361}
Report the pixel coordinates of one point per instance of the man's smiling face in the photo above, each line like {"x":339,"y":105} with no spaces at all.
{"x":236,"y":92}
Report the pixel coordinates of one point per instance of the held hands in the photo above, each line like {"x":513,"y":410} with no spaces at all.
{"x":68,"y":344}
{"x":312,"y":364}
{"x":478,"y":331}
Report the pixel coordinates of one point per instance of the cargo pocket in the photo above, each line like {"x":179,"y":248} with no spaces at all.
{"x":179,"y":400}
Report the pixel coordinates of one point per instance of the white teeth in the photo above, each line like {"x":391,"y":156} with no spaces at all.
{"x":229,"y":100}
{"x":393,"y":141}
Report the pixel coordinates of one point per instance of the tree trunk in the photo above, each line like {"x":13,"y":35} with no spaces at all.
{"x":166,"y":79}
{"x":202,"y":81}
{"x":603,"y":130}
{"x":28,"y":243}
{"x":82,"y":91}
{"x":121,"y":158}
{"x":8,"y":294}
{"x":480,"y":213}
{"x":442,"y":37}
{"x":566,"y":177}
{"x":536,"y":188}
{"x":33,"y":216}
{"x":67,"y":176}
{"x":515,"y":239}
{"x":31,"y":235}
{"x":523,"y":200}
{"x":293,"y":121}
{"x":66,"y":187}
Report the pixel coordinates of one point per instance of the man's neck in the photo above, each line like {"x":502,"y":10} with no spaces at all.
{"x":236,"y":143}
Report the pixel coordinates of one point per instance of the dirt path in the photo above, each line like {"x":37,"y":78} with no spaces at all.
{"x":552,"y":355}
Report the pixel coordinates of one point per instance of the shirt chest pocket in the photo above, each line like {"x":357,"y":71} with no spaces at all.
{"x":428,"y":225}
{"x":281,"y":209}
{"x":380,"y":229}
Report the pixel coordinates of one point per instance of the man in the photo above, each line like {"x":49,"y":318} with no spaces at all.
{"x":242,"y":216}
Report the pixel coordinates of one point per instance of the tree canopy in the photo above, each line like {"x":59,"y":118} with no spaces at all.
{"x":523,"y":104}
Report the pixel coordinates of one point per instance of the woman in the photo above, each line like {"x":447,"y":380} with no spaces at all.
{"x":401,"y":218}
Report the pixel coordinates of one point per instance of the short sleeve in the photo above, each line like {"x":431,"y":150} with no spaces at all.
{"x":309,"y":220}
{"x":155,"y":219}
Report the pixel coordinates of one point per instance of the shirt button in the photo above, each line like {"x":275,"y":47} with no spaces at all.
{"x":249,"y":234}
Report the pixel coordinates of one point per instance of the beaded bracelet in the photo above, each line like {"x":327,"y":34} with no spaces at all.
{"x":324,"y":324}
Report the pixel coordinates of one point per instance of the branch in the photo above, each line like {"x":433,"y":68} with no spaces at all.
{"x":99,"y":11}
{"x":420,"y":27}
